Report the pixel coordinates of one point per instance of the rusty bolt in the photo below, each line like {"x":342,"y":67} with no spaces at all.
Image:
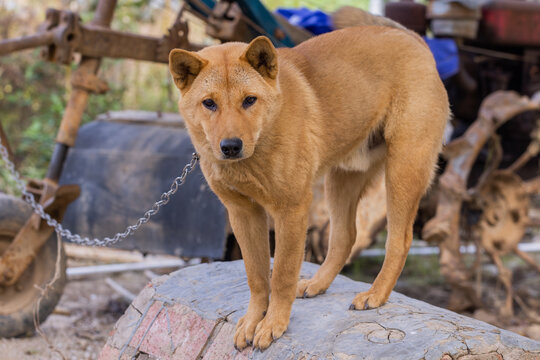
{"x":279,"y":34}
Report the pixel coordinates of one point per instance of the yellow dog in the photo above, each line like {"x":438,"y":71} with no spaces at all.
{"x":268,"y":122}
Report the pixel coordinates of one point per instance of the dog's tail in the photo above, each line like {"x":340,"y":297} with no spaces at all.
{"x":349,"y":16}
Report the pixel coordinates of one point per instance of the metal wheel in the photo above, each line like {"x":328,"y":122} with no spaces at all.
{"x":17,"y":302}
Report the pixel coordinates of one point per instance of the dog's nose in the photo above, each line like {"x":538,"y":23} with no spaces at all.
{"x":231,"y":148}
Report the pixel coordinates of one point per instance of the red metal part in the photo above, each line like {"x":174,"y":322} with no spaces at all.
{"x":508,"y":22}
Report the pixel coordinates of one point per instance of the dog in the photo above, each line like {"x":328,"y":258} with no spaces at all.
{"x":268,"y":122}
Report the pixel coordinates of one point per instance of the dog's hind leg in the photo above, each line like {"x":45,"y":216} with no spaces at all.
{"x":409,"y":166}
{"x":343,"y":190}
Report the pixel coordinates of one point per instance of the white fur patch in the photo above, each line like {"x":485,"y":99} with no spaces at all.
{"x":361,"y":158}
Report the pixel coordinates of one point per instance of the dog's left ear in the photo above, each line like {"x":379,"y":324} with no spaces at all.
{"x":184,"y":67}
{"x":262,"y":55}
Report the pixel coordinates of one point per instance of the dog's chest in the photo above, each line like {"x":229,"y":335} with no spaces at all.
{"x":246,"y":182}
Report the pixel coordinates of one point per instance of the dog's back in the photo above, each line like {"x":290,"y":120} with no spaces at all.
{"x":349,"y":16}
{"x":364,"y":75}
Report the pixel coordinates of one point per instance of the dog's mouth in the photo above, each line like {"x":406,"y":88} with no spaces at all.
{"x":233,"y":157}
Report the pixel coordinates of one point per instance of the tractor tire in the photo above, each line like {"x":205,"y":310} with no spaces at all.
{"x":17,"y":302}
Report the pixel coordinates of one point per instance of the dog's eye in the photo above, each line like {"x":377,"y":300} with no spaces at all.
{"x":248,"y":101}
{"x":210,"y":104}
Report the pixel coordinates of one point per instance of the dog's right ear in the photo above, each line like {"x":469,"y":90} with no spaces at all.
{"x":185,"y":66}
{"x":262,"y":55}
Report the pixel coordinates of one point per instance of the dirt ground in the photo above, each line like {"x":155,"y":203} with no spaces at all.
{"x":89,"y":307}
{"x":81,"y":322}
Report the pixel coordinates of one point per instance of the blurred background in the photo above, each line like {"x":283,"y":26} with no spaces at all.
{"x":33,"y":92}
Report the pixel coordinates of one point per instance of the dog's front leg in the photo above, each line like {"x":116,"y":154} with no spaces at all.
{"x":290,"y":227}
{"x":249,"y":223}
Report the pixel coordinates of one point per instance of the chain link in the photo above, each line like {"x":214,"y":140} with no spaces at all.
{"x":66,"y":233}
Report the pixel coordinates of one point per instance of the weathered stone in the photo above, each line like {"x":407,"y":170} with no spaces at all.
{"x":191,"y":315}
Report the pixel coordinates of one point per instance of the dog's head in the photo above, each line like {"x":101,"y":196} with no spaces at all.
{"x":229,"y":94}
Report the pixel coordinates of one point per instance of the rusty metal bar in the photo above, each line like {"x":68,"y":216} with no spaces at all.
{"x":77,"y":102}
{"x":26,"y":42}
{"x":79,"y":96}
{"x":57,"y":161}
{"x":62,"y":34}
{"x":55,"y":199}
{"x":104,"y":13}
{"x":96,"y":41}
{"x":5,"y":142}
{"x":24,"y":248}
{"x":101,"y":42}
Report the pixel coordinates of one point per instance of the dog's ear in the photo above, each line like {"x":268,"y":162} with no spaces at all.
{"x":262,"y":55}
{"x":185,"y":66}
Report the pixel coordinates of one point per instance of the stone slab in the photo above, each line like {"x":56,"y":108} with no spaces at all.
{"x":191,"y":314}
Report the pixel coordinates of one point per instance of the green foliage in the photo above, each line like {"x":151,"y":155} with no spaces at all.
{"x":316,"y":4}
{"x":419,"y":270}
{"x":31,"y":104}
{"x":32,"y":101}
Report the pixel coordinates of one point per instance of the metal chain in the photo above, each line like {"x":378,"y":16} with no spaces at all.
{"x":66,"y":233}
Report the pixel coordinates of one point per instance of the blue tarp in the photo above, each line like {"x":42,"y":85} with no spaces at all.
{"x":444,"y":51}
{"x":446,"y":56}
{"x":314,"y":21}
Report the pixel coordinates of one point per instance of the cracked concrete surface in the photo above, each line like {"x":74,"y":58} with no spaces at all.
{"x":198,"y":307}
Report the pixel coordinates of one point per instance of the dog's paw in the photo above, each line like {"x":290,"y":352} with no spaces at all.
{"x":307,"y":288}
{"x":268,"y":330}
{"x":245,"y":331}
{"x":368,"y":300}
